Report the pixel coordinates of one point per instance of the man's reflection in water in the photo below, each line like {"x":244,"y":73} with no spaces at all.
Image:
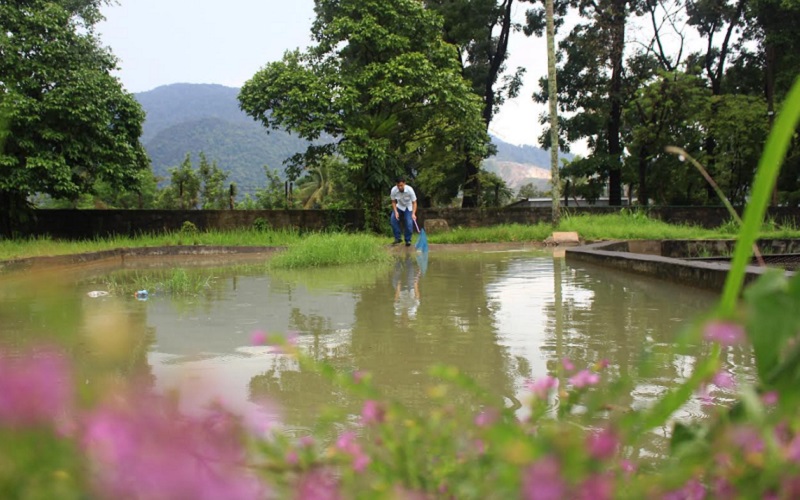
{"x":405,"y":281}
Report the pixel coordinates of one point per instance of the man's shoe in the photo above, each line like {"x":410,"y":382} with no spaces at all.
{"x":408,"y":243}
{"x":396,"y":242}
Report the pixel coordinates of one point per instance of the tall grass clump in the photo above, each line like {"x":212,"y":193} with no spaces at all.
{"x":332,"y":249}
{"x":176,"y":282}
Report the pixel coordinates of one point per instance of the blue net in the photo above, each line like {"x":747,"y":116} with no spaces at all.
{"x":422,"y":242}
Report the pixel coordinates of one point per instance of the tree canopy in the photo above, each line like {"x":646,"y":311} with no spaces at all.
{"x":68,"y":121}
{"x":385,"y":87}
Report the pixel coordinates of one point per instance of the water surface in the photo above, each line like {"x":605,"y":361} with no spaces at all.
{"x":503,"y":318}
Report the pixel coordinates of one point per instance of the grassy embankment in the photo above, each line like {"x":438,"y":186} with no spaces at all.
{"x":340,"y":249}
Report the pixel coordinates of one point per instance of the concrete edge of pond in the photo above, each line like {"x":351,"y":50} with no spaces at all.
{"x":121,"y":254}
{"x":709,"y":275}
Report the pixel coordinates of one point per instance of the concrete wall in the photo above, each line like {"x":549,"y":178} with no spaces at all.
{"x":89,"y":223}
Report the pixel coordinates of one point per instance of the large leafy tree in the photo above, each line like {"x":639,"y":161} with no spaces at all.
{"x":481,"y":29}
{"x":385,"y":86}
{"x":592,"y":87}
{"x":67,"y":122}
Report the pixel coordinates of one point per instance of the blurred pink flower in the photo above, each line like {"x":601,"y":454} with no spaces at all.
{"x":480,"y":446}
{"x":692,"y":490}
{"x":628,"y":467}
{"x":292,"y":458}
{"x":568,"y":365}
{"x":597,"y":487}
{"x":152,"y":451}
{"x":793,"y":450}
{"x":35,"y":388}
{"x":748,"y":439}
{"x":372,"y":413}
{"x":584,"y":378}
{"x":318,"y":485}
{"x":724,"y":380}
{"x":258,"y":338}
{"x":541,"y":388}
{"x":722,"y":488}
{"x":358,"y":376}
{"x":602,"y":444}
{"x":725,"y":332}
{"x":347,"y":444}
{"x":487,"y":417}
{"x":306,"y":441}
{"x":704,"y":395}
{"x":770,"y":398}
{"x":543,"y":481}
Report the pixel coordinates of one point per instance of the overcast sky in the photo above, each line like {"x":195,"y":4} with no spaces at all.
{"x":160,"y":42}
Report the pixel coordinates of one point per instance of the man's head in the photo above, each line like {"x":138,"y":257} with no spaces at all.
{"x":401,"y":183}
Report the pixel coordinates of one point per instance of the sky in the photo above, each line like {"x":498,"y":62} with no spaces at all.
{"x":159,"y":42}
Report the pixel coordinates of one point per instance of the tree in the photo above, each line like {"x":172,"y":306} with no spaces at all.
{"x":530,"y":190}
{"x":383,"y":84}
{"x":481,"y":29}
{"x":183,"y":191}
{"x":494,"y":191}
{"x":68,"y":122}
{"x":213,"y":195}
{"x":593,"y":85}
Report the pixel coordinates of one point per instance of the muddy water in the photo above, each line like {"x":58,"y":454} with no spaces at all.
{"x":500,"y":317}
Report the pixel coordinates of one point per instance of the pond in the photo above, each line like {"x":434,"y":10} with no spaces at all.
{"x":502,"y":318}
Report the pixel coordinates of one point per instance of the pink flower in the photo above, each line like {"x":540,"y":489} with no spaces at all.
{"x":584,"y":378}
{"x":541,"y":388}
{"x":568,"y":364}
{"x":35,"y":388}
{"x":722,"y":488}
{"x":725,"y":332}
{"x":793,"y":450}
{"x":770,"y":398}
{"x":292,"y":458}
{"x":724,"y":380}
{"x":543,"y":481}
{"x":258,"y":338}
{"x":348,"y":445}
{"x":151,"y":451}
{"x":692,"y":490}
{"x":603,"y":444}
{"x":596,"y":487}
{"x":480,"y":446}
{"x":318,"y":485}
{"x":704,"y":396}
{"x":628,"y":467}
{"x":372,"y":413}
{"x":486,"y":418}
{"x":748,"y":439}
{"x":359,"y":376}
{"x":306,"y":441}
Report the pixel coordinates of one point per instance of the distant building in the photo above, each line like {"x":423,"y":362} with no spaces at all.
{"x":573,"y":202}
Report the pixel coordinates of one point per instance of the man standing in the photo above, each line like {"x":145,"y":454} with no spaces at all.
{"x":404,"y":204}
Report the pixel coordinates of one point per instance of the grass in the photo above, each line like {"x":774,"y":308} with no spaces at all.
{"x":44,"y":246}
{"x":179,"y":282}
{"x":629,"y":225}
{"x":326,"y":249}
{"x":332,"y":249}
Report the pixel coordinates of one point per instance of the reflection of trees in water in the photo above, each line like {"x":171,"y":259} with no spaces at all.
{"x":625,"y":316}
{"x":107,"y":337}
{"x":453,"y":325}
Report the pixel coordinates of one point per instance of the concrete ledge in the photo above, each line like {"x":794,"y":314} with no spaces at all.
{"x":709,"y":275}
{"x":122,"y":254}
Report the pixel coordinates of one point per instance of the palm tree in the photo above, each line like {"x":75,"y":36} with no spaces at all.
{"x":316,"y":185}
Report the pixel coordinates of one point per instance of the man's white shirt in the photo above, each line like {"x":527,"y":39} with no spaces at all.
{"x":405,"y":199}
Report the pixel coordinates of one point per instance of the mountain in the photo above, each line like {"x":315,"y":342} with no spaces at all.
{"x":192,"y":118}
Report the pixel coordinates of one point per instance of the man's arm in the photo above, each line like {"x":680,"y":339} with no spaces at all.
{"x":394,"y":209}
{"x":414,"y":210}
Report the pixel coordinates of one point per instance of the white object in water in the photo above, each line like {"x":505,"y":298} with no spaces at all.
{"x":96,"y":294}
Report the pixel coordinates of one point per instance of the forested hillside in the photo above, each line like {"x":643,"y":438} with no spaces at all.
{"x":190,"y":118}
